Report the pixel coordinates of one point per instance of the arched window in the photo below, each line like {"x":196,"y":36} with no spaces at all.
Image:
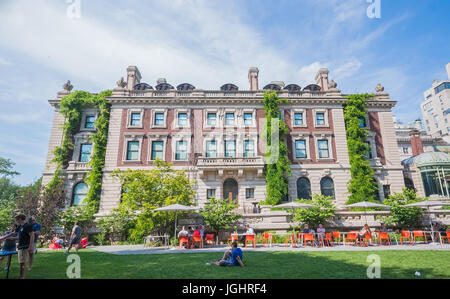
{"x":79,"y":194}
{"x":327,"y":187}
{"x":303,"y":188}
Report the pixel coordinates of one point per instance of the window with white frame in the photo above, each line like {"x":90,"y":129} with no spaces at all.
{"x":210,"y":193}
{"x":320,"y":118}
{"x":248,"y":118}
{"x":89,"y":122}
{"x":181,"y":152}
{"x":324,"y":152}
{"x":230,"y":149}
{"x":133,"y":150}
{"x":298,"y":118}
{"x":230,"y":119}
{"x":300,"y":149}
{"x":211,"y":119}
{"x":249,"y":193}
{"x":182,"y":119}
{"x":85,"y":152}
{"x":159,"y":119}
{"x":249,"y":148}
{"x":157,"y":150}
{"x":135,"y":119}
{"x":211,"y":149}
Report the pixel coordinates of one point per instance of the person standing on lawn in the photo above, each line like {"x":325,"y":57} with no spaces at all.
{"x":9,"y":244}
{"x":37,"y":231}
{"x":75,"y":237}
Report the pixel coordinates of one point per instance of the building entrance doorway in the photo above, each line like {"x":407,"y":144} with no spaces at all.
{"x":230,"y":190}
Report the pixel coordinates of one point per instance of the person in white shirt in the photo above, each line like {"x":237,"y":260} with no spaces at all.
{"x":248,"y":231}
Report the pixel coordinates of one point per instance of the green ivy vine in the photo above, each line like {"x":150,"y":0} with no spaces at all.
{"x":71,"y":107}
{"x":362,"y":186}
{"x":276,"y":173}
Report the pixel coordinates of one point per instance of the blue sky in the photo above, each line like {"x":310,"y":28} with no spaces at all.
{"x":208,"y":43}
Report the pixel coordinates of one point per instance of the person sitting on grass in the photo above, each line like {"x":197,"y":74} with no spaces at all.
{"x":232,"y":257}
{"x":60,"y":242}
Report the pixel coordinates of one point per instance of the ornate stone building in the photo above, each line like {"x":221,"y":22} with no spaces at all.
{"x":216,"y":136}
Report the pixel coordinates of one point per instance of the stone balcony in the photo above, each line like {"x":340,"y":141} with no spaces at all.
{"x":240,"y":164}
{"x":78,"y":167}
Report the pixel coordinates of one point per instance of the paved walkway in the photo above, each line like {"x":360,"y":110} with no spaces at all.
{"x":139,"y":249}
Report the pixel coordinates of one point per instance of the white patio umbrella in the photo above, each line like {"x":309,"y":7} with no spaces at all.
{"x":367,"y":204}
{"x":295,"y":205}
{"x":427,"y":204}
{"x":175,"y":208}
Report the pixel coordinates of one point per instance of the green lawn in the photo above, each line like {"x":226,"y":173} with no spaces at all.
{"x":394,"y":264}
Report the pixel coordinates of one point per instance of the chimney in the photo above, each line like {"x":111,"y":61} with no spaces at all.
{"x":322,"y":79}
{"x":133,"y":77}
{"x":253,"y":73}
{"x":416,"y":142}
{"x":448,"y":70}
{"x":418,"y":124}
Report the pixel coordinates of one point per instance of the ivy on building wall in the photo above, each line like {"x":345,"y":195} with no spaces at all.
{"x":362,"y":186}
{"x":276,"y":171}
{"x":71,"y":107}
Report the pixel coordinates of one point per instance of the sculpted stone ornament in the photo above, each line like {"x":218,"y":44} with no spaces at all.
{"x":67,"y":86}
{"x":121,"y":83}
{"x":379,"y":88}
{"x":333,"y":84}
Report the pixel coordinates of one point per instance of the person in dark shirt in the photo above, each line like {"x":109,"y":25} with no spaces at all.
{"x":75,"y":238}
{"x":26,"y":241}
{"x":9,"y":244}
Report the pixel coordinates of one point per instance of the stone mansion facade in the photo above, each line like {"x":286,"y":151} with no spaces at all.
{"x":216,"y":136}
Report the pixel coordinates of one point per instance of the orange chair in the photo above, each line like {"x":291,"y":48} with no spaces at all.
{"x":446,"y":237}
{"x":309,"y":238}
{"x":197,"y":239}
{"x":353,"y":237}
{"x":265,"y":238}
{"x":337,"y":236}
{"x":384,"y":237}
{"x":210,"y":239}
{"x":250,"y":238}
{"x":405,"y":235}
{"x":232,"y":238}
{"x":419,"y":234}
{"x":290,"y":239}
{"x":328,"y":238}
{"x":368,"y":239}
{"x":184,"y":240}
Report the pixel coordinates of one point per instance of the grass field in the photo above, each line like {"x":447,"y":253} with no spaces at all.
{"x":394,"y":264}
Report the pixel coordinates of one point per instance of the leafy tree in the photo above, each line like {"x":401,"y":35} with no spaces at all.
{"x":116,"y":225}
{"x":362,"y":186}
{"x":81,"y":214}
{"x":320,"y":214}
{"x":29,"y":198}
{"x":408,"y":217}
{"x":6,"y":166}
{"x":146,"y":190}
{"x":218,"y":214}
{"x":276,"y":171}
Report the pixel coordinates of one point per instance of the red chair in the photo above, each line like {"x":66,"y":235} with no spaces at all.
{"x":328,"y":238}
{"x":197,"y":239}
{"x":384,"y":237}
{"x":232,"y":238}
{"x":53,"y":246}
{"x":210,"y":240}
{"x":446,"y":237}
{"x":353,"y":237}
{"x":265,"y":238}
{"x":290,"y":239}
{"x":337,"y":236}
{"x":368,"y":239}
{"x":250,"y":238}
{"x":84,"y":243}
{"x":419,"y":234}
{"x":309,"y":238}
{"x":184,"y":240}
{"x":405,"y":235}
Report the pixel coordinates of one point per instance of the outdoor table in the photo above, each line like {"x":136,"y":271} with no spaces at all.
{"x":8,"y":253}
{"x":425,"y":232}
{"x":165,"y":237}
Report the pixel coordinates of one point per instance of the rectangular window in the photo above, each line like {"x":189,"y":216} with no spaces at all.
{"x":323,"y":149}
{"x":133,"y":150}
{"x":182,"y":119}
{"x":135,"y":119}
{"x":250,"y":193}
{"x":362,"y":122}
{"x":181,"y":150}
{"x":230,"y":149}
{"x":298,"y":119}
{"x":159,"y":119}
{"x":157,"y":150}
{"x":405,"y":150}
{"x":249,"y":148}
{"x":300,"y":149}
{"x":89,"y":122}
{"x":211,"y":149}
{"x":210,"y":193}
{"x":248,"y":118}
{"x":212,"y":119}
{"x":320,"y":118}
{"x":85,"y":152}
{"x":369,"y":152}
{"x":387,"y":191}
{"x":229,"y":119}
